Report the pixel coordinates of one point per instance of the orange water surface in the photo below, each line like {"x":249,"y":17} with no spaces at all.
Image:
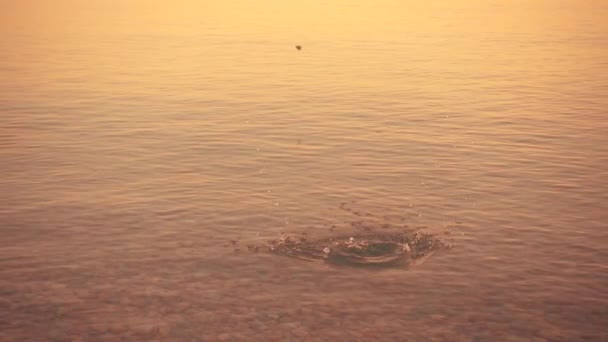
{"x":137,"y":138}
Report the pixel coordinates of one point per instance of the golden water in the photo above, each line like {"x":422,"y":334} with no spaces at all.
{"x":138,"y":137}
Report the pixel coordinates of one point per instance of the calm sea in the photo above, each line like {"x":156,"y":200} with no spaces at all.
{"x":137,"y":138}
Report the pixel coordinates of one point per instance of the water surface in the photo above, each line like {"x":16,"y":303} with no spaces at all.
{"x":137,"y":139}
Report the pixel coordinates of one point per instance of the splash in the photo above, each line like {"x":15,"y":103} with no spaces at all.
{"x":374,"y":241}
{"x":379,"y":249}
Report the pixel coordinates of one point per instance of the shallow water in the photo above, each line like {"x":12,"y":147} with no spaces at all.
{"x":138,"y":139}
